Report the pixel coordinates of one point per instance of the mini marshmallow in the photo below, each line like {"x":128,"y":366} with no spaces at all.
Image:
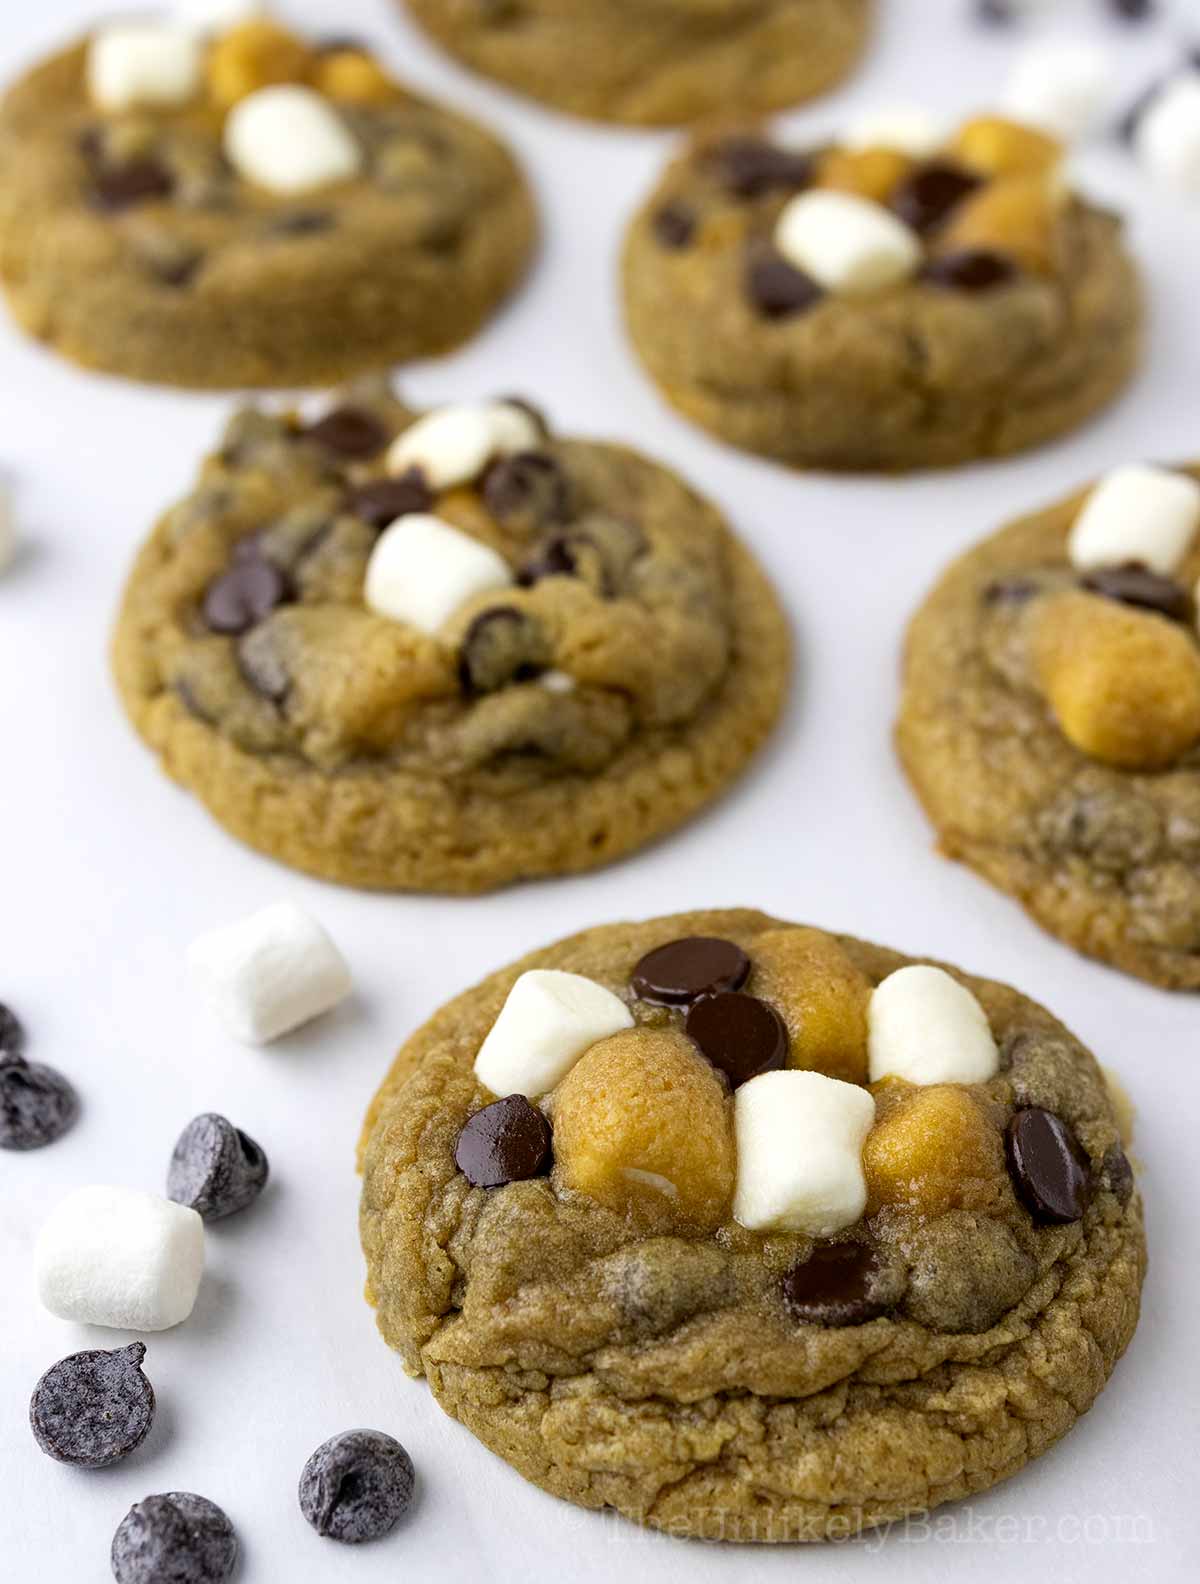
{"x":925,"y":1027}
{"x":1167,"y":138}
{"x":453,"y":445}
{"x":289,"y":139}
{"x":545,"y":1025}
{"x":906,"y":129}
{"x":118,"y":1257}
{"x":422,"y":570}
{"x":1060,"y":87}
{"x":143,"y":65}
{"x":800,"y":1138}
{"x":1137,"y":513}
{"x":269,"y":973}
{"x":215,"y":16}
{"x":846,"y":243}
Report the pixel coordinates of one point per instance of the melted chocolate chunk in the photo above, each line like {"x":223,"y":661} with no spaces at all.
{"x":245,"y":595}
{"x":528,"y":491}
{"x":1048,"y":1167}
{"x":776,"y":288}
{"x":681,"y":972}
{"x":674,"y":225}
{"x":381,"y":501}
{"x":1116,"y":1174}
{"x":261,"y":666}
{"x":970,"y":270}
{"x":501,"y":645}
{"x":1135,"y":584}
{"x":12,"y":1035}
{"x":738,"y":1033}
{"x":350,"y":432}
{"x":751,"y":167}
{"x":134,"y":181}
{"x":932,"y":193}
{"x":508,"y":1141}
{"x":835,"y":1286}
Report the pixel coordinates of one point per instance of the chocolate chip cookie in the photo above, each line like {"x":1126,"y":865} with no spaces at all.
{"x":446,"y":652}
{"x":656,"y":64}
{"x":1051,"y":719}
{"x":749,"y":1231}
{"x":247,"y":209}
{"x":909,"y":297}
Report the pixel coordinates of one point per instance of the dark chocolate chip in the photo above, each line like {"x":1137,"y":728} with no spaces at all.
{"x":1135,"y":584}
{"x":970,"y":270}
{"x":776,"y":288}
{"x":556,"y":558}
{"x":751,"y":167}
{"x":1116,"y":1174}
{"x":674,"y":225}
{"x":300,"y":223}
{"x":37,"y":1104}
{"x":261,"y":665}
{"x":684,"y":970}
{"x":996,"y":12}
{"x":1133,"y":10}
{"x":93,"y":1409}
{"x":381,"y":501}
{"x":350,"y":432}
{"x":1048,"y":1167}
{"x":244,"y":596}
{"x":1014,"y":590}
{"x":740,"y":1034}
{"x":508,"y":1141}
{"x":135,"y":181}
{"x":178,"y":271}
{"x":931,"y":194}
{"x":12,"y":1035}
{"x":835,"y":1286}
{"x":356,"y":1486}
{"x":527,"y":491}
{"x":215,"y":1169}
{"x":174,"y":1539}
{"x":500,"y":646}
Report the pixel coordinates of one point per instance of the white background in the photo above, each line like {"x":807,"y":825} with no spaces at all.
{"x":107,"y":871}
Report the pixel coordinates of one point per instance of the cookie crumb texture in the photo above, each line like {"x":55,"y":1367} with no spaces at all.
{"x":864,"y":308}
{"x":626,"y":671}
{"x":660,"y":1359}
{"x":129,"y":243}
{"x":1050,"y":724}
{"x":655,"y":65}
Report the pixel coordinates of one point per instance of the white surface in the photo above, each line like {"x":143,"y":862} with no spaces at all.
{"x":108,"y":872}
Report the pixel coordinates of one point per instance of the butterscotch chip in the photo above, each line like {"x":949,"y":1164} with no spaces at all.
{"x":1017,"y":215}
{"x":822,"y":997}
{"x":254,"y":55}
{"x":870,"y":173}
{"x":934,"y":1150}
{"x":354,"y":78}
{"x":996,"y":146}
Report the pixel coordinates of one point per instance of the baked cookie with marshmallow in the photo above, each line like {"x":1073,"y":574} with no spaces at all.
{"x":750,"y":1231}
{"x":911,"y":295}
{"x":445,"y":651}
{"x":1050,"y":721}
{"x":205,"y":198}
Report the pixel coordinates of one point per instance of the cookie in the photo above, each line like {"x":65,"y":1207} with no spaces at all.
{"x":247,"y":209}
{"x":448,"y":652}
{"x":905,"y":298}
{"x":781,"y":1305}
{"x":1050,"y":721}
{"x":658,"y":65}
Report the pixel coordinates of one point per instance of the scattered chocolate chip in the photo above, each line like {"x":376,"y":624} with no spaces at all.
{"x":135,"y":181}
{"x":1135,"y":584}
{"x":750,"y":167}
{"x":215,"y":1169}
{"x":835,"y":1286}
{"x":508,"y":1141}
{"x":37,"y":1104}
{"x":356,"y":1486}
{"x":381,"y":501}
{"x":350,"y":432}
{"x":261,"y":665}
{"x":740,"y":1034}
{"x":1133,"y":10}
{"x":300,"y":223}
{"x":526,"y":491}
{"x":174,"y":1539}
{"x":500,"y":646}
{"x":244,"y":596}
{"x":1014,"y":590}
{"x":1048,"y":1167}
{"x":930,"y":195}
{"x":674,"y":225}
{"x":684,"y":970}
{"x":93,"y":1409}
{"x":970,"y":270}
{"x":776,"y":288}
{"x":12,"y":1035}
{"x":1116,"y":1174}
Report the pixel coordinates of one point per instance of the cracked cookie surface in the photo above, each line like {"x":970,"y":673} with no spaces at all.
{"x":655,"y":62}
{"x":645,"y":1361}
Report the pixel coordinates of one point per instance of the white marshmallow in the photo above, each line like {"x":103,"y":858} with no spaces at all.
{"x":846,"y":243}
{"x":118,"y":1257}
{"x":1060,"y":86}
{"x":143,"y":65}
{"x":1137,"y":513}
{"x":545,"y":1025}
{"x":289,"y":139}
{"x":1167,"y":139}
{"x":908,"y":129}
{"x":452,"y":445}
{"x":8,"y":528}
{"x":800,"y":1137}
{"x":422,"y":570}
{"x":925,"y":1027}
{"x":269,"y":973}
{"x":214,"y":16}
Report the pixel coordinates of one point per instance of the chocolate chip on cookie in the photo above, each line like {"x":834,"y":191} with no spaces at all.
{"x":93,"y":1409}
{"x":215,"y":1169}
{"x":501,"y":645}
{"x":1048,"y":1167}
{"x":740,"y":1034}
{"x":178,"y":1537}
{"x":527,"y":491}
{"x":508,"y":1141}
{"x":675,"y":225}
{"x":751,"y":167}
{"x":381,"y":501}
{"x":1135,"y":584}
{"x":1116,"y":1174}
{"x":350,"y":432}
{"x":244,"y":596}
{"x":970,"y":270}
{"x":134,"y":181}
{"x":356,"y":1486}
{"x":836,"y":1286}
{"x":776,"y":288}
{"x":682,"y":971}
{"x":1014,"y":590}
{"x":261,"y":665}
{"x":931,"y":194}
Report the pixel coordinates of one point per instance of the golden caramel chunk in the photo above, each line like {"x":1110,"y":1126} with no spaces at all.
{"x":353,"y":77}
{"x":995,"y":146}
{"x":869,"y":173}
{"x":643,"y":1124}
{"x":1015,"y":215}
{"x":1124,"y":684}
{"x":255,"y":55}
{"x":933,"y":1150}
{"x":821,"y":996}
